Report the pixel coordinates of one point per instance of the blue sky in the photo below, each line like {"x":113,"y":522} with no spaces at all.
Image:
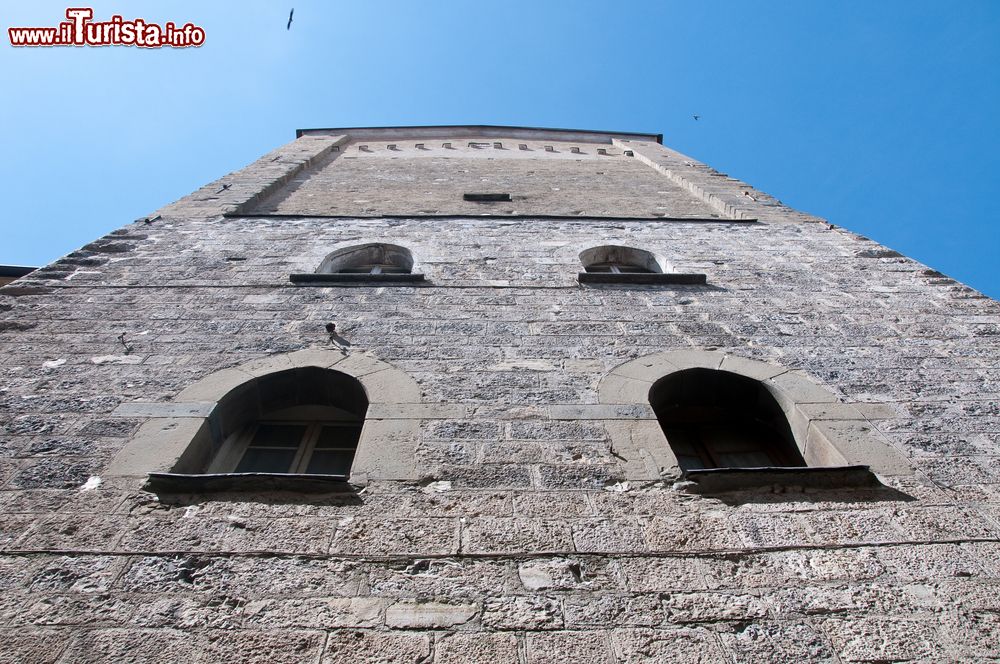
{"x":883,"y":117}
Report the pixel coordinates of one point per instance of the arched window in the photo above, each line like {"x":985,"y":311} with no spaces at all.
{"x":619,"y":260}
{"x":727,"y":423}
{"x":364,"y":262}
{"x":627,"y":265}
{"x":717,"y":419}
{"x":299,"y":421}
{"x":376,"y":258}
{"x":303,"y":421}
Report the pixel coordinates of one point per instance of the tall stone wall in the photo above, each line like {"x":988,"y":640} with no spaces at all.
{"x":523,"y":539}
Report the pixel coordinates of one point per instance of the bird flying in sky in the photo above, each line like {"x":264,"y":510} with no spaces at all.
{"x":290,"y":14}
{"x":696,"y":117}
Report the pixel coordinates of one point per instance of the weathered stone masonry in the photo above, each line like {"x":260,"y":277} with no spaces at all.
{"x":525,"y":508}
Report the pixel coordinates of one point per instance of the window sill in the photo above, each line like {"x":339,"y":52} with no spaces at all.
{"x":724,"y":480}
{"x":313,"y":278}
{"x":177,"y":483}
{"x":640,"y":278}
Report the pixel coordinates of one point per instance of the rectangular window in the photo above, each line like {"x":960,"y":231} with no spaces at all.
{"x":379,"y":268}
{"x":617,"y":268}
{"x":487,"y":198}
{"x":321,"y":448}
{"x":272,"y":449}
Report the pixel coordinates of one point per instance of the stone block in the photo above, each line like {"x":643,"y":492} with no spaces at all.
{"x":515,"y":535}
{"x":709,"y":607}
{"x":943,"y":523}
{"x":168,"y":533}
{"x":386,"y":451}
{"x":568,"y":647}
{"x":613,"y":610}
{"x":464,"y":647}
{"x":216,"y":385}
{"x":444,"y":579}
{"x":416,"y":411}
{"x":635,"y":411}
{"x":857,"y":443}
{"x":783,"y":568}
{"x":72,"y":610}
{"x":684,"y":646}
{"x":522,"y":613}
{"x":583,"y":573}
{"x":262,"y":647}
{"x":877,"y":639}
{"x":71,"y":533}
{"x":608,"y":535}
{"x":389,"y":386}
{"x":706,"y":531}
{"x":278,"y":576}
{"x":313,"y":613}
{"x":777,"y":642}
{"x":164,"y":410}
{"x":75,"y":574}
{"x":641,"y":449}
{"x":185,"y":612}
{"x":771,"y":529}
{"x":367,"y":647}
{"x":750,"y":368}
{"x":486,"y":476}
{"x":929,"y":562}
{"x":411,"y":614}
{"x":157,"y":447}
{"x":872,"y":598}
{"x":133,"y":647}
{"x":31,"y":646}
{"x":551,"y":504}
{"x":13,"y":528}
{"x":661,"y":574}
{"x":972,"y":635}
{"x":801,"y":389}
{"x":394,"y":537}
{"x":565,"y":476}
{"x":302,"y":535}
{"x":851,"y":527}
{"x":618,"y":389}
{"x":649,"y":368}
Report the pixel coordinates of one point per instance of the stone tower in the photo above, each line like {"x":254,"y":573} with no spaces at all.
{"x":495,"y":394}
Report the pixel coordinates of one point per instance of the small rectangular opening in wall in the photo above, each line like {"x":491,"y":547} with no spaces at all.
{"x":644,"y":278}
{"x":724,"y":480}
{"x":182,"y":484}
{"x":322,"y":278}
{"x":487,"y":197}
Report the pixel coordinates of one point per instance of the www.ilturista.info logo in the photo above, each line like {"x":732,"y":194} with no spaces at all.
{"x":79,"y":30}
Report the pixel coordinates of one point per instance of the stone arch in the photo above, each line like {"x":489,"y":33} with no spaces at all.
{"x":827,"y":432}
{"x":361,"y":255}
{"x":181,"y":436}
{"x":719,"y":419}
{"x":620,"y":255}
